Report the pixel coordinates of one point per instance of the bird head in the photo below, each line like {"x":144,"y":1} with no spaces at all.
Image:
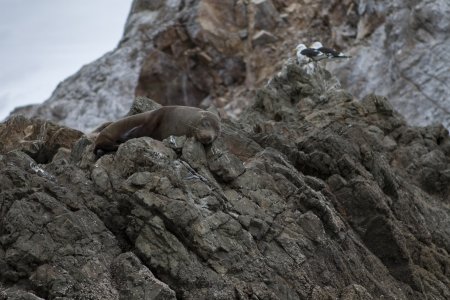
{"x":300,"y":47}
{"x":316,"y":45}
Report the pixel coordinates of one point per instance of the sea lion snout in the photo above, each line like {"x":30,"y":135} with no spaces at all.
{"x":206,"y":138}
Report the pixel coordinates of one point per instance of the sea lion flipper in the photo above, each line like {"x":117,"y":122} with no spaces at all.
{"x":130,"y":134}
{"x":101,"y":150}
{"x":99,"y":153}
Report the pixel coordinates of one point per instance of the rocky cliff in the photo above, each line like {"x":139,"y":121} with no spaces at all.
{"x":312,"y":194}
{"x":198,"y":52}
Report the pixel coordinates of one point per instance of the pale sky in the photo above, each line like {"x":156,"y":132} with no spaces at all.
{"x":42,"y":42}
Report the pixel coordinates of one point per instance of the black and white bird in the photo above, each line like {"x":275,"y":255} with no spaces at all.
{"x":328,"y":52}
{"x":305,"y":54}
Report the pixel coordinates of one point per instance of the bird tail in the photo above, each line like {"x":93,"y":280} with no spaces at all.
{"x":341,"y":56}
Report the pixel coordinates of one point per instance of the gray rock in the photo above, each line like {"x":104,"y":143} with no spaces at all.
{"x":142,"y":104}
{"x":140,"y":179}
{"x":100,"y":178}
{"x":136,"y":281}
{"x":266,"y":14}
{"x":175,"y":142}
{"x":194,"y":153}
{"x":355,"y":292}
{"x":406,"y":59}
{"x":263,"y":37}
{"x":11,"y":294}
{"x":223,"y":164}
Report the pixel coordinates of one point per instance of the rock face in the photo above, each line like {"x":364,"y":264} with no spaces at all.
{"x":39,"y":139}
{"x":203,"y":52}
{"x":407,"y":59}
{"x":311,"y":195}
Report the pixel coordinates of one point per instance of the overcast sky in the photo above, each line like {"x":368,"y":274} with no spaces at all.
{"x":42,"y":42}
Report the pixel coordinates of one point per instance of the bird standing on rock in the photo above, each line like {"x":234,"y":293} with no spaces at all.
{"x":317,"y":52}
{"x":305,"y":54}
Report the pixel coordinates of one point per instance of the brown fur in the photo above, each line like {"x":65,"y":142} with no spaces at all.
{"x":160,"y":124}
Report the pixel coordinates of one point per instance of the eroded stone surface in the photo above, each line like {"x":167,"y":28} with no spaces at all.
{"x":40,"y":139}
{"x":136,"y":281}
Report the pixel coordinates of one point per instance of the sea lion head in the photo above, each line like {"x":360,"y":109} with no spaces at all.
{"x":207,"y":128}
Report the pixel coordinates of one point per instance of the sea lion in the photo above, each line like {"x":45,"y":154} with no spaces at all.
{"x":160,"y":124}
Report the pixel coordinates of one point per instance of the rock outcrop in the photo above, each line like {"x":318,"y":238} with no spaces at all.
{"x":207,"y":51}
{"x":407,"y":59}
{"x":311,"y":195}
